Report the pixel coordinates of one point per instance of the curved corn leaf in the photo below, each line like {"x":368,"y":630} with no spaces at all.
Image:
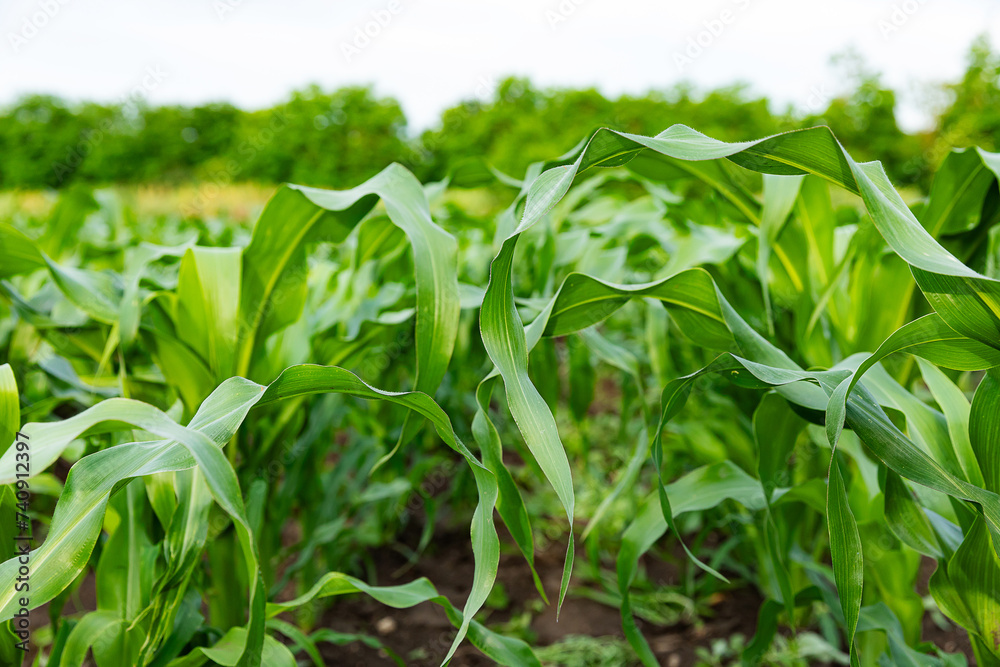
{"x":273,"y":286}
{"x":79,"y":514}
{"x":18,"y":253}
{"x":780,"y":193}
{"x":700,"y":489}
{"x":984,"y":430}
{"x":956,"y":409}
{"x":10,"y":407}
{"x":967,"y":302}
{"x":504,"y":338}
{"x":953,"y":453}
{"x":955,"y":201}
{"x":845,"y":550}
{"x":206,"y":309}
{"x":504,"y":650}
{"x":10,"y":423}
{"x":969,"y":589}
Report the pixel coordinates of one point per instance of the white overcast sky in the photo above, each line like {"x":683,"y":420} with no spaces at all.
{"x":433,"y":53}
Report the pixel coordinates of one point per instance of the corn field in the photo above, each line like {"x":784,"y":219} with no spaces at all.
{"x":753,"y":362}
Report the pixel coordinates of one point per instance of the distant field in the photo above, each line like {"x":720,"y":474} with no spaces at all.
{"x":240,"y":203}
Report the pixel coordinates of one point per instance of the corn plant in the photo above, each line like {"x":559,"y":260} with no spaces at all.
{"x":197,"y":385}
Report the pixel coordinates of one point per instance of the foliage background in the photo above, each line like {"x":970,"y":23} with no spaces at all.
{"x":339,"y":138}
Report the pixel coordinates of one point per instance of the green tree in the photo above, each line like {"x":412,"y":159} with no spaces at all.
{"x":37,"y":136}
{"x":323,"y":139}
{"x":973,"y":116}
{"x":865,"y":123}
{"x":523,"y":124}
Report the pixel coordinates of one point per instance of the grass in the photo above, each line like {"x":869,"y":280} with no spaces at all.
{"x":753,"y":363}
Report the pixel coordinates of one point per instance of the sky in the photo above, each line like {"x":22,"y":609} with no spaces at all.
{"x":430,"y":54}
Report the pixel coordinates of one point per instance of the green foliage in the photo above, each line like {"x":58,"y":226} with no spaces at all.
{"x":689,"y":345}
{"x":971,"y":117}
{"x":522,"y":124}
{"x":343,"y":137}
{"x":315,"y":138}
{"x":866,"y":123}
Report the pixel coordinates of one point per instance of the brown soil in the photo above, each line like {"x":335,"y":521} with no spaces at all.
{"x":422,"y":635}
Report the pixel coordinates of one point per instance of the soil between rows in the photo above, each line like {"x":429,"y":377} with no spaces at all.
{"x":422,"y":635}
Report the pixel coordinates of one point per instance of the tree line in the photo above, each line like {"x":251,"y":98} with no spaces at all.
{"x":340,"y":138}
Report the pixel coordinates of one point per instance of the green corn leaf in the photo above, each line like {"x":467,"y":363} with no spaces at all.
{"x":956,"y":410}
{"x":700,"y":489}
{"x":845,"y":548}
{"x":907,"y":520}
{"x":780,"y":193}
{"x":18,"y":253}
{"x":984,"y":430}
{"x":955,"y":201}
{"x":228,"y":650}
{"x":974,"y":572}
{"x":208,"y":297}
{"x":510,"y":504}
{"x":93,"y":632}
{"x":79,"y":514}
{"x":273,"y":289}
{"x":10,"y":407}
{"x":97,"y":294}
{"x":505,"y":651}
{"x":183,"y":329}
{"x":504,"y":339}
{"x":274,"y":268}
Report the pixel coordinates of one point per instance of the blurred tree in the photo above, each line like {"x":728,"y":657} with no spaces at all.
{"x":522,"y":124}
{"x":38,"y":141}
{"x":865,"y":123}
{"x":973,"y":116}
{"x":324,"y":139}
{"x":340,"y":138}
